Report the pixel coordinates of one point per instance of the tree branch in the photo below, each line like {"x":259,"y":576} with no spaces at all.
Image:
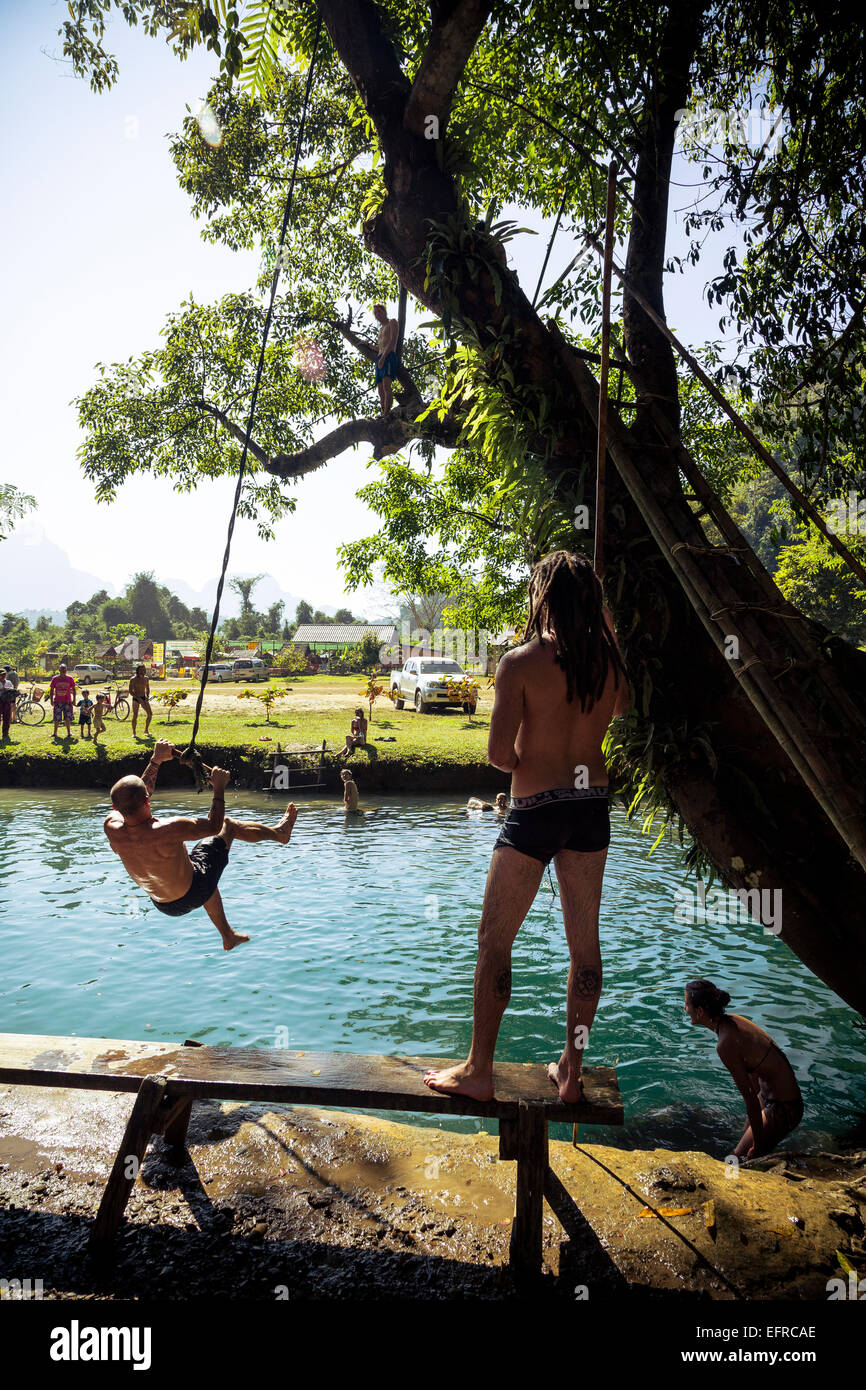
{"x":237,"y":431}
{"x":355,"y":27}
{"x":387,"y":434}
{"x":453,"y":36}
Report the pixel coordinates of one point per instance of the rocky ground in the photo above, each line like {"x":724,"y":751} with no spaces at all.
{"x":314,"y":1204}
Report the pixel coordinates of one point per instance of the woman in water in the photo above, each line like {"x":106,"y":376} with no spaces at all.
{"x":766,"y":1081}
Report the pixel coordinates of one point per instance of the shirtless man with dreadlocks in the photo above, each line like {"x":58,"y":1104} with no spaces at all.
{"x":555,"y":697}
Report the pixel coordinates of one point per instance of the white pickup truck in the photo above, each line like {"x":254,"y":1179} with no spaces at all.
{"x":423,"y":682}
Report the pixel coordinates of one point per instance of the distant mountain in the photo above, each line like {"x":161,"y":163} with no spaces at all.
{"x":266,"y":592}
{"x":54,"y":615}
{"x":38,"y":576}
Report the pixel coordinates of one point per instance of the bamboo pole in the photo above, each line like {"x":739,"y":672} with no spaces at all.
{"x":760,"y":449}
{"x":709,"y":600}
{"x":601,"y":454}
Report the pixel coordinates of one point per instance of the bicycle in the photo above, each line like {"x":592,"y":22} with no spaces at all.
{"x":28,"y":707}
{"x":119,"y":706}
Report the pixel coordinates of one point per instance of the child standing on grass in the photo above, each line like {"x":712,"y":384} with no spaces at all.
{"x":99,"y":718}
{"x":85,"y":706}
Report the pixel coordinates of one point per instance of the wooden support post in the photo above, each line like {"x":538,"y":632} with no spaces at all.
{"x":532,"y":1154}
{"x":142,"y":1123}
{"x":507,"y":1139}
{"x":178,"y":1124}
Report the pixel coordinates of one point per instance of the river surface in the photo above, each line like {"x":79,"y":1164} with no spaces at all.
{"x":364,"y":940}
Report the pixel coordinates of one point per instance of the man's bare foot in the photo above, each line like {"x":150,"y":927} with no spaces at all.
{"x":284,"y":829}
{"x":570,"y":1088}
{"x":232,"y":939}
{"x":460,"y":1081}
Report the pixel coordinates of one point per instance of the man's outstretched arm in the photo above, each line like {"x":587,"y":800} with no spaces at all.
{"x":163,"y":752}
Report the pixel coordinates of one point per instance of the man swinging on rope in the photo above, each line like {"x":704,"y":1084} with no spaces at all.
{"x":555,"y":696}
{"x":155,"y":856}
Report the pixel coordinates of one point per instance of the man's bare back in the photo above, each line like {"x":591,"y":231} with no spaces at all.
{"x":154,"y":854}
{"x":537,"y":735}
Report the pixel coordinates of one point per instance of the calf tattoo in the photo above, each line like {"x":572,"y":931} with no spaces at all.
{"x":502,"y":987}
{"x":587,"y":984}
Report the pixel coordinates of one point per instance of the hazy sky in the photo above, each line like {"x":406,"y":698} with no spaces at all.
{"x":99,"y":245}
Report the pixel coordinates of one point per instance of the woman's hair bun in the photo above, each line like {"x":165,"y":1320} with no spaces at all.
{"x":703,"y":994}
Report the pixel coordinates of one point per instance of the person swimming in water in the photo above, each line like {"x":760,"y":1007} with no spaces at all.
{"x":555,"y":697}
{"x":501,"y":808}
{"x":762,"y":1072}
{"x":350,"y":793}
{"x":154,"y":854}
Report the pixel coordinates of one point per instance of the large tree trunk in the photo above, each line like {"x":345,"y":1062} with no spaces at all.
{"x":752,"y":811}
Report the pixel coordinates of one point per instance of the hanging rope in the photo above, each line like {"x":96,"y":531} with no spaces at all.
{"x":550,"y":245}
{"x":191,"y":756}
{"x":601,"y":452}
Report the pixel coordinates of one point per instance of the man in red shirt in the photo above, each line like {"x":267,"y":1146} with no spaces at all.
{"x":62,"y":692}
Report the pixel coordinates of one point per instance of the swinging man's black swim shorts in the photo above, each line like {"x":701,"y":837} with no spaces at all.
{"x":576,"y":818}
{"x":208,"y":860}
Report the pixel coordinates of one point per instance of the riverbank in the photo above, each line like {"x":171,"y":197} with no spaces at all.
{"x":250,"y":770}
{"x":296,"y":1203}
{"x":405,"y":752}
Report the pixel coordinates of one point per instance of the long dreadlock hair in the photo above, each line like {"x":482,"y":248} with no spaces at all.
{"x":566,"y":600}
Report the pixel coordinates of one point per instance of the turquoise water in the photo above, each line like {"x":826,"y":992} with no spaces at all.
{"x":364,"y":941}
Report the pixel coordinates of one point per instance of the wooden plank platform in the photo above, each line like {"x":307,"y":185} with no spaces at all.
{"x":295,"y":1077}
{"x":167,"y":1079}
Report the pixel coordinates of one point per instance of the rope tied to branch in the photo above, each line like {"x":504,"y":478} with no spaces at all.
{"x":190,"y":756}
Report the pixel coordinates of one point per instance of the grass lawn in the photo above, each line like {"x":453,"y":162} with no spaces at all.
{"x":316,"y":708}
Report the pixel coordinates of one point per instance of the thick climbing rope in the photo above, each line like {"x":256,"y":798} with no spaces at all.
{"x":190,"y":756}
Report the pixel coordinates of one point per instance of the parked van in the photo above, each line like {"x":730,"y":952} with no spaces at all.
{"x":250,"y":669}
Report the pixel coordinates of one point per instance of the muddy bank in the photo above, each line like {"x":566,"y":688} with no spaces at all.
{"x":312,"y":1204}
{"x":249,"y":772}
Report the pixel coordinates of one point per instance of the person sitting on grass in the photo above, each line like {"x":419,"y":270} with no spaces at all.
{"x":501,"y":808}
{"x":357,"y":735}
{"x":62,"y":695}
{"x":154,"y":854}
{"x":98,"y":718}
{"x":85,"y":713}
{"x":350,"y":791}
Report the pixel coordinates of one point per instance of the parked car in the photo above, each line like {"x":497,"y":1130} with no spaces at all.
{"x":90,"y":674}
{"x":220,"y":671}
{"x":424,"y":681}
{"x":250,"y":669}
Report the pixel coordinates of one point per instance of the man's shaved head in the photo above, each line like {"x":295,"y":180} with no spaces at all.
{"x":128,"y":795}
